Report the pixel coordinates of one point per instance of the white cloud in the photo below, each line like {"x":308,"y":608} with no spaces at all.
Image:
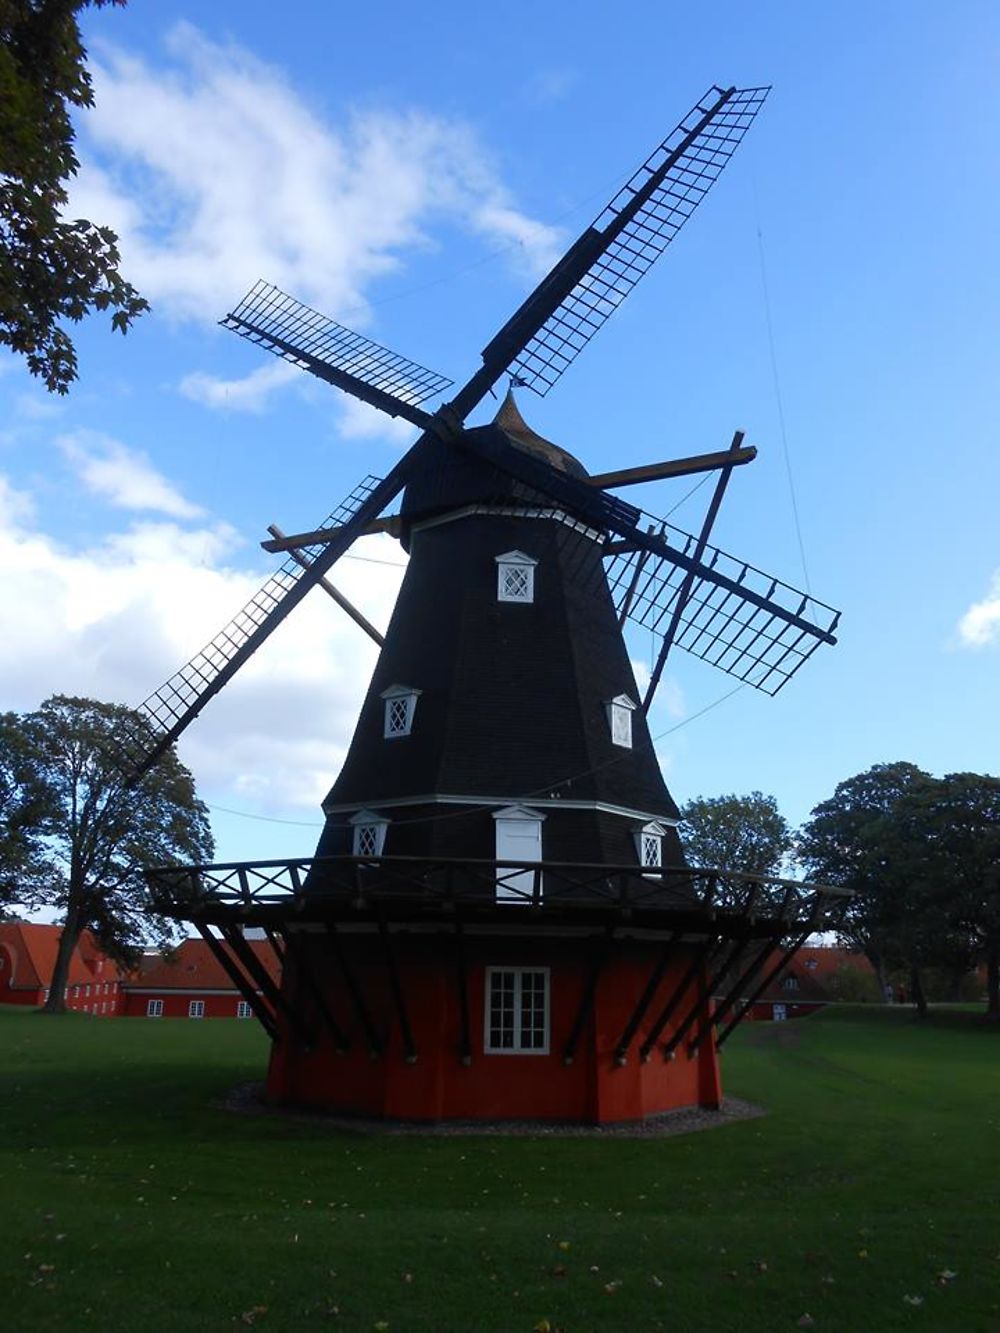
{"x":123,"y":477}
{"x":215,"y":171}
{"x":980,"y":625}
{"x":360,"y":421}
{"x":249,"y":394}
{"x":116,"y":619}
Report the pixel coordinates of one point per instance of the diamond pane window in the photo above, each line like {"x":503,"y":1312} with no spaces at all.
{"x":400,"y":705}
{"x":515,"y":577}
{"x":619,"y":711}
{"x":649,"y":845}
{"x":517,"y":1010}
{"x":369,"y":833}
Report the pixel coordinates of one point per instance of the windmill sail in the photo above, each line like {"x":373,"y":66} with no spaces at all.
{"x":737,"y":618}
{"x":271,"y":319}
{"x":180,"y":699}
{"x":558,"y":320}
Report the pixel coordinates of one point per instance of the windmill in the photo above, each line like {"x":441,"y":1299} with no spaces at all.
{"x":500,"y":818}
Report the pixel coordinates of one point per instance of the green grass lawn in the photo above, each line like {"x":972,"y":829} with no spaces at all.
{"x":129,"y":1199}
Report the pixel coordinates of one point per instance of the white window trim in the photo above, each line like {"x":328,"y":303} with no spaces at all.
{"x":619,"y":711}
{"x":368,"y":819}
{"x":517,"y":1049}
{"x":154,"y":1008}
{"x":243,"y":1009}
{"x":392,"y":696}
{"x":196,"y":1008}
{"x":650,"y":830}
{"x":526,"y":566}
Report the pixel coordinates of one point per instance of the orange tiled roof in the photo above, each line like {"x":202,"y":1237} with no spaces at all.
{"x":34,"y":948}
{"x":192,"y":966}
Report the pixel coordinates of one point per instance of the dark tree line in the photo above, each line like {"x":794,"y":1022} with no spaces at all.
{"x":920,"y":854}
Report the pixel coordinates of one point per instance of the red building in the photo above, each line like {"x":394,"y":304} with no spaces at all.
{"x":189,"y":982}
{"x":94,"y":985}
{"x":809,"y":983}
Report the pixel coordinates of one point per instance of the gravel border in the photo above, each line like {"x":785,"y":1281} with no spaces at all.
{"x":248,"y":1099}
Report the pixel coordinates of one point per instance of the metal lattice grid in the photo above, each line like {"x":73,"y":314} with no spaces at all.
{"x":270,"y":318}
{"x":645,"y":236}
{"x":167,"y":705}
{"x":736,"y":625}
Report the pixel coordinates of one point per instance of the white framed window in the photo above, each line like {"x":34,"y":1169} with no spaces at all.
{"x":649,"y":845}
{"x":154,"y":1008}
{"x":619,"y":711}
{"x":369,"y":833}
{"x":790,"y":983}
{"x":518,"y":838}
{"x":400,"y":705}
{"x":243,"y":1009}
{"x":517,"y":1011}
{"x":196,"y":1009}
{"x":779,"y":1013}
{"x":515,"y":577}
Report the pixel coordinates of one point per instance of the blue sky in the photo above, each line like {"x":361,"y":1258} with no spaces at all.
{"x":412,"y":172}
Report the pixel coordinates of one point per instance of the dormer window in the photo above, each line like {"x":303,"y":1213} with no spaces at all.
{"x":649,"y":845}
{"x":515,"y":577}
{"x":369,"y":833}
{"x":619,"y":711}
{"x":400,"y":705}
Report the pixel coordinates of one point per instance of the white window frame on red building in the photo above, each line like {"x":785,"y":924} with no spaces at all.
{"x":496,"y":1012}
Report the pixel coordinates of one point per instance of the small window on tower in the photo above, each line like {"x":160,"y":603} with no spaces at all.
{"x":515,"y":577}
{"x":649,"y":846}
{"x":369,"y":833}
{"x":619,"y":711}
{"x":400,"y":705}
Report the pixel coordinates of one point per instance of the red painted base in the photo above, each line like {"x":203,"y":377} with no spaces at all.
{"x":439,"y":1084}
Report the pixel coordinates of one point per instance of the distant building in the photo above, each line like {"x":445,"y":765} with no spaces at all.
{"x":94,"y":983}
{"x":188,"y":982}
{"x":809,"y":983}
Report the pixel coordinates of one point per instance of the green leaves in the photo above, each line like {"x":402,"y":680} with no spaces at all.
{"x":51,"y":270}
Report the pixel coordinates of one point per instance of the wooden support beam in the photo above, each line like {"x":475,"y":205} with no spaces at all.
{"x":599,"y":958}
{"x":303,"y":971}
{"x":395,"y":984}
{"x":392,"y":524}
{"x":645,"y":999}
{"x":351,"y":982}
{"x":774,"y":972}
{"x":732,"y":997}
{"x":462,"y":978}
{"x":676,"y":467}
{"x":702,"y":956}
{"x":258,"y":1006}
{"x":331,"y":591}
{"x":233,"y":936}
{"x":701,"y":1007}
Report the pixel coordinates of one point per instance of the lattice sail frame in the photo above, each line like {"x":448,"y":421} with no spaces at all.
{"x":734,"y":633}
{"x":629,"y":256}
{"x":272,"y":319}
{"x":166,"y":705}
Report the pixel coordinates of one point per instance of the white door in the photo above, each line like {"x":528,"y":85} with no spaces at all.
{"x":779,"y":1013}
{"x":517,"y":840}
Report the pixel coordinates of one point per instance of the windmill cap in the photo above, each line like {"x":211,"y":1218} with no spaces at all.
{"x":513,"y":425}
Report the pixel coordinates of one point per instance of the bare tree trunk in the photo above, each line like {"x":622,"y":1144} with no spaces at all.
{"x":917,"y":989}
{"x":71,"y":931}
{"x":993,"y":982}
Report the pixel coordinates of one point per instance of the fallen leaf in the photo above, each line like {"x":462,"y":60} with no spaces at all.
{"x":913,"y":1300}
{"x":564,"y":1245}
{"x":657,"y":1282}
{"x":612,"y":1287}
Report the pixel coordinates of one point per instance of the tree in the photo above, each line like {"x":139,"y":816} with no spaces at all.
{"x":745,"y":833}
{"x":26,"y":808}
{"x":51,"y":269}
{"x":921,"y":856}
{"x":947,"y":846}
{"x":104,"y":833}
